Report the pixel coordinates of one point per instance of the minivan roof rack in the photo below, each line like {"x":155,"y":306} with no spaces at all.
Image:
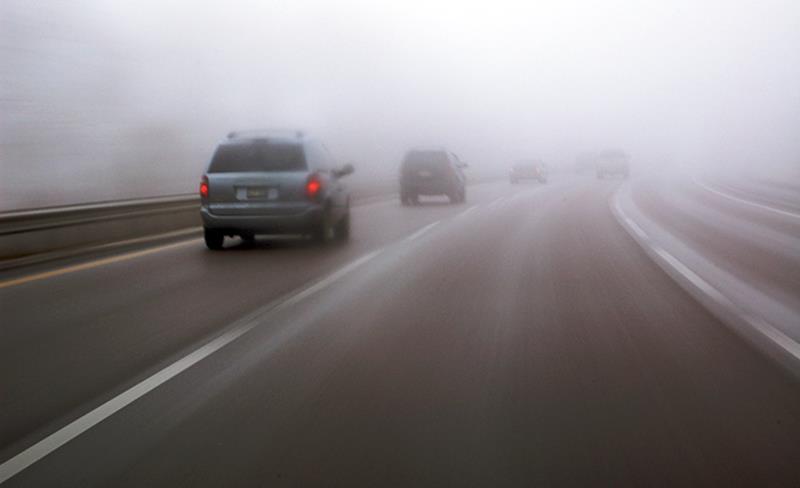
{"x":259,"y":133}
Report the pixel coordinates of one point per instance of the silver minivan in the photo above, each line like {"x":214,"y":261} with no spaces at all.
{"x":273,"y":182}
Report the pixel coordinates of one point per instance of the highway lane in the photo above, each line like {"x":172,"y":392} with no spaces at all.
{"x":528,"y":341}
{"x":70,"y":341}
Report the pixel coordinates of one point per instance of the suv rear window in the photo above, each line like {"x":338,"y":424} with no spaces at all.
{"x":258,"y":156}
{"x":435,"y":161}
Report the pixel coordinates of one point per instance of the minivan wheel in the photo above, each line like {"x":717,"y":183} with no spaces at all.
{"x":213,"y":238}
{"x":325,"y":229}
{"x":457,"y":196}
{"x":343,"y":228}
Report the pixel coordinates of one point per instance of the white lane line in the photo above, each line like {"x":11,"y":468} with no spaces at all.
{"x":789,"y":345}
{"x":496,"y":202}
{"x":782,"y":340}
{"x":465,"y":212}
{"x":639,"y":231}
{"x":423,"y":230}
{"x":69,"y":432}
{"x":745,"y":202}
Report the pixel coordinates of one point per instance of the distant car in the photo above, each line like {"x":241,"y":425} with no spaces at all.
{"x":612,"y":162}
{"x":273,"y":182}
{"x":432,"y":172}
{"x":529,"y":170}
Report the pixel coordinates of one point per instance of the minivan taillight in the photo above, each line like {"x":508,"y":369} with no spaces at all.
{"x":204,"y":187}
{"x":313,"y":186}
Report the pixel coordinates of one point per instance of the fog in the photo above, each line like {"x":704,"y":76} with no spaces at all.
{"x":104,"y":100}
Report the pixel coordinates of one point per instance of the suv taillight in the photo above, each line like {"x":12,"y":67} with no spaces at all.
{"x":313,"y":187}
{"x":204,"y":187}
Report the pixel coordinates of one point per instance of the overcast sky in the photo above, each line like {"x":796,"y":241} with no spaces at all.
{"x":679,"y":82}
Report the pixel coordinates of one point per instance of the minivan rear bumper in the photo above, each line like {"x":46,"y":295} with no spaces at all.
{"x":299,"y":223}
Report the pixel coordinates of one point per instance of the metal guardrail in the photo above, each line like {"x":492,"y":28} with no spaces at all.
{"x":22,"y":221}
{"x":49,"y":218}
{"x":35,"y":235}
{"x":39,"y":234}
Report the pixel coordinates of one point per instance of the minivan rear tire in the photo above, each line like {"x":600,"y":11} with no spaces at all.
{"x":214,"y":238}
{"x":459,"y":196}
{"x":325,"y":229}
{"x":342,"y":231}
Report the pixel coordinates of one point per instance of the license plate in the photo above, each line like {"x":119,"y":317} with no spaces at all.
{"x":424,"y":174}
{"x":262,"y":193}
{"x":256,"y":192}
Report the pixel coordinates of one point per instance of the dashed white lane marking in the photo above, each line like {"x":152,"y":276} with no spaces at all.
{"x":62,"y":436}
{"x":785,"y":342}
{"x":746,"y":202}
{"x":465,"y":212}
{"x":422,"y":231}
{"x":496,"y":202}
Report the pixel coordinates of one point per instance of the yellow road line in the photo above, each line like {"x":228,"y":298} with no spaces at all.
{"x":92,"y":264}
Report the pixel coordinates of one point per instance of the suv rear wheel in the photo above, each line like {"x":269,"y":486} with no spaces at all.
{"x":214,"y":238}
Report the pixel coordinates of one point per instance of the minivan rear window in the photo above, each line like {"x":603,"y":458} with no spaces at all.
{"x":259,"y":157}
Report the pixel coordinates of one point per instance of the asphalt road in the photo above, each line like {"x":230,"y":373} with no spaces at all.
{"x":520,"y":339}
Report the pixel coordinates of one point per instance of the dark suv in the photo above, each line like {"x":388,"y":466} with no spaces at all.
{"x":273,"y":182}
{"x":432,"y":172}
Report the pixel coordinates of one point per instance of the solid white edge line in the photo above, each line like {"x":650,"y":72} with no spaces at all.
{"x":52,"y":442}
{"x":421,"y":231}
{"x":706,"y":187}
{"x":786,"y":343}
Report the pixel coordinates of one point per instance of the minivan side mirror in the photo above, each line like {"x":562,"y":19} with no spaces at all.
{"x":344,"y":170}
